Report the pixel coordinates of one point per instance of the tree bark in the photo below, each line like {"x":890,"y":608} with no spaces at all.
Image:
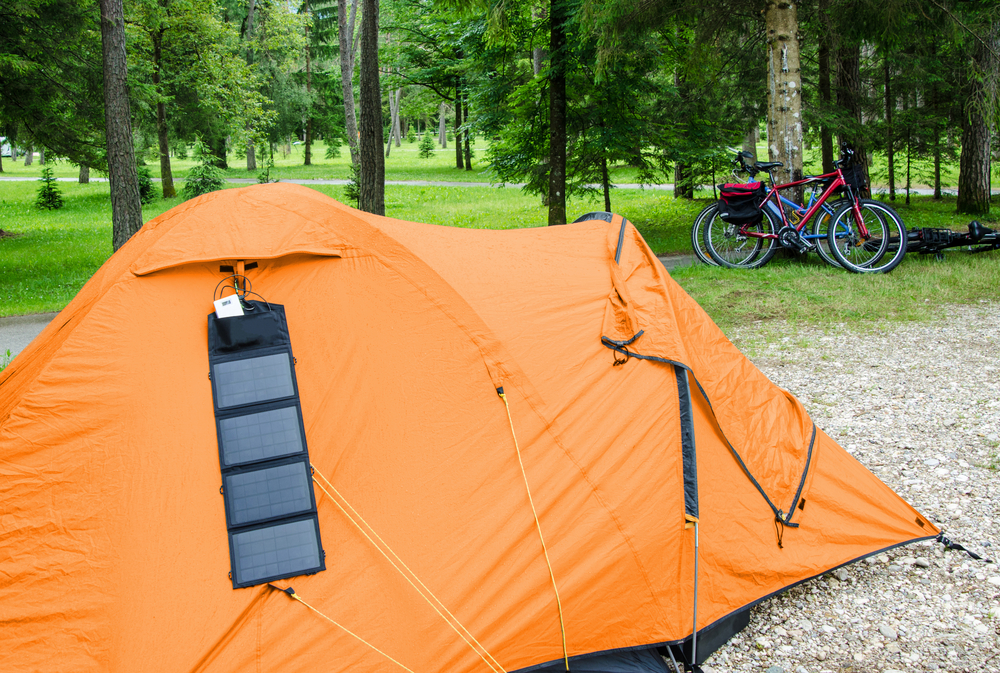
{"x":538,"y":54}
{"x":166,"y":175}
{"x":974,"y":162}
{"x":372,"y":167}
{"x":466,"y":134}
{"x":29,"y":155}
{"x":849,"y":100}
{"x":126,"y":206}
{"x":784,"y":86}
{"x":345,"y":25}
{"x":84,"y":174}
{"x":309,"y":120}
{"x":606,"y":184}
{"x":557,"y":112}
{"x":41,"y":155}
{"x":394,"y":99}
{"x":825,"y":91}
{"x":459,"y":163}
{"x":683,"y":189}
{"x":442,"y":130}
{"x":251,"y":150}
{"x":889,"y":139}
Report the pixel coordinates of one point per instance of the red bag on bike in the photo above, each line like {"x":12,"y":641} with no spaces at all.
{"x":740,"y":204}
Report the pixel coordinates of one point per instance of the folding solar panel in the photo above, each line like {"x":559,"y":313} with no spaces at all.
{"x":266,"y":476}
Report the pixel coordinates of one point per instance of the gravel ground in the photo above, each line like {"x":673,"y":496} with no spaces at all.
{"x":919,"y":405}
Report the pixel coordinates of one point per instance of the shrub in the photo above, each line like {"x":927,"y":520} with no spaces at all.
{"x":206,"y":176}
{"x":352,"y":190}
{"x":426,"y":146}
{"x":411,"y":135}
{"x":146,"y":190}
{"x":49,"y":196}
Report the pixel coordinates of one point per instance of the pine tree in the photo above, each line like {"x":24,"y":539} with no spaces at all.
{"x":49,"y":196}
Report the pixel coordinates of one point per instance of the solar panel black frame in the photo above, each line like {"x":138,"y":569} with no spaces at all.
{"x":230,"y":415}
{"x":232,"y":520}
{"x":311,"y":570}
{"x":258,"y":334}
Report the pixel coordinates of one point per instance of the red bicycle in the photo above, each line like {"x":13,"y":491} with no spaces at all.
{"x":864,"y":235}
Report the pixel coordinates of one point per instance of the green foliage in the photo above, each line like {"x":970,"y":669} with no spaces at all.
{"x":332,"y":150}
{"x":206,"y":176}
{"x":411,"y":134}
{"x":5,"y":359}
{"x":49,"y":197}
{"x":352,"y":190}
{"x":146,"y":190}
{"x":426,"y":147}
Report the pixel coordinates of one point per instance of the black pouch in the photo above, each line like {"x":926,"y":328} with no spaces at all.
{"x":740,"y":204}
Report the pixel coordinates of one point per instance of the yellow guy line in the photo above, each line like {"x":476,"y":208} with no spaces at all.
{"x":538,"y":525}
{"x":340,"y":626}
{"x":491,"y":662}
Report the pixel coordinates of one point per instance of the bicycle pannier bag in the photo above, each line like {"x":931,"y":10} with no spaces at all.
{"x":740,"y":204}
{"x":854,"y":176}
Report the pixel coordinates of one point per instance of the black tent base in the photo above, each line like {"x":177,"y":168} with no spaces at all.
{"x":653,"y":659}
{"x":709,"y":639}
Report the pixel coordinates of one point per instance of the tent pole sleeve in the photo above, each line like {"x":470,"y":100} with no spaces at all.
{"x":694,"y":631}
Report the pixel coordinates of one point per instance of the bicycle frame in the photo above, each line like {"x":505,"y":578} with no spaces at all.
{"x":798,"y":209}
{"x":838,"y":182}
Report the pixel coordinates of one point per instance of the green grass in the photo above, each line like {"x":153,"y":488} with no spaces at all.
{"x":52,"y":253}
{"x":808,"y":291}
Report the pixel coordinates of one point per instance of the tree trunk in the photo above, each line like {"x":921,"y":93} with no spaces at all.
{"x":251,"y":150}
{"x":372,"y":167}
{"x":825,"y":91}
{"x":29,"y":155}
{"x":166,"y":175}
{"x":606,"y":184}
{"x":126,"y":207}
{"x":937,"y":169}
{"x":459,"y":163}
{"x":442,"y":130}
{"x":889,"y":139}
{"x":974,"y":162}
{"x":784,"y":86}
{"x":345,"y":25}
{"x":84,"y":174}
{"x":750,"y":140}
{"x":683,"y":189}
{"x":41,"y":155}
{"x":538,"y":54}
{"x":468,"y":144}
{"x":557,"y":112}
{"x":309,"y":120}
{"x":974,"y":166}
{"x":394,"y":99}
{"x":397,"y":125}
{"x":849,"y":99}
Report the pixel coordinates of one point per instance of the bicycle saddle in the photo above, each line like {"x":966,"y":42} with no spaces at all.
{"x":977,"y":231}
{"x":768,"y":165}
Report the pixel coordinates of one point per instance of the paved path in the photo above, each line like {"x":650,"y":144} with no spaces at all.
{"x":16,"y":332}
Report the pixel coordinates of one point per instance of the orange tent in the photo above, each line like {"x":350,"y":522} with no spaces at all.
{"x":636,"y":477}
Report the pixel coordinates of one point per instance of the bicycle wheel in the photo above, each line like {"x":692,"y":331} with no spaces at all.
{"x":821,"y":227}
{"x":735,"y":250}
{"x":881,"y":251}
{"x":697,"y":234}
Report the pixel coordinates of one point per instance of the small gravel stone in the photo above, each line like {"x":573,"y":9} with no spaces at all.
{"x":919,"y":406}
